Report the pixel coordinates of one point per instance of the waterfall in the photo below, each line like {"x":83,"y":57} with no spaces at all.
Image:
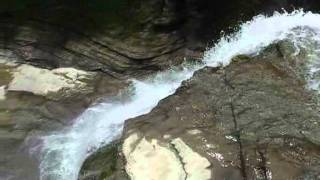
{"x":63,"y":152}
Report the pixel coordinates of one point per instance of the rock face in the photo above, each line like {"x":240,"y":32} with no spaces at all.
{"x":132,"y":37}
{"x":36,"y":101}
{"x":254,"y":119}
{"x":144,"y":157}
{"x":178,"y":161}
{"x":233,"y":120}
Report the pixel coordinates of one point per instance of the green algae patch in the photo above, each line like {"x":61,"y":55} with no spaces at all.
{"x":5,"y":74}
{"x":102,"y":164}
{"x":5,"y":120}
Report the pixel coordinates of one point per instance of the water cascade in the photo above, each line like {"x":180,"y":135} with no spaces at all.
{"x":63,"y":152}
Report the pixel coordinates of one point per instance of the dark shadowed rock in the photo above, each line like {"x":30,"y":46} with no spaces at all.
{"x":122,"y":37}
{"x":103,"y":164}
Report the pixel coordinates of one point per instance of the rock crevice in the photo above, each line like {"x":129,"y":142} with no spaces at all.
{"x":163,"y":160}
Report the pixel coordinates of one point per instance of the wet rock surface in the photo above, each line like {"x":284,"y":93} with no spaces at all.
{"x":102,"y":164}
{"x":33,"y":104}
{"x":254,"y":119}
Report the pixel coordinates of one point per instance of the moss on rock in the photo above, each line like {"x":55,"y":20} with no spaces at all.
{"x":102,"y":164}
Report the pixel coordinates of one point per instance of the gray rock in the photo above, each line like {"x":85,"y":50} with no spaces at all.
{"x":254,"y":119}
{"x":27,"y":111}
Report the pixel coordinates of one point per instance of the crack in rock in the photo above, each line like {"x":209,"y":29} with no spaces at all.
{"x":152,"y":159}
{"x":176,"y":151}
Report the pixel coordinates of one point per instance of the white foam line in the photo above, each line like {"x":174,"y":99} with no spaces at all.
{"x":65,"y":151}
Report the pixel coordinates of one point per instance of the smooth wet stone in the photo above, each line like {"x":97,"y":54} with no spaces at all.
{"x":101,"y":164}
{"x":55,"y":84}
{"x":2,"y":92}
{"x":196,"y":166}
{"x":151,"y":159}
{"x":147,"y":159}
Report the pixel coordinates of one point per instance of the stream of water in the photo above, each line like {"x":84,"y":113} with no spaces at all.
{"x":63,"y":152}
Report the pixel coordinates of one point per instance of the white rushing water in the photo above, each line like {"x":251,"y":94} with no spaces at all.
{"x":64,"y":152}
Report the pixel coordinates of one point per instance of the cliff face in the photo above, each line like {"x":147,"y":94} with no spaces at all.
{"x":121,"y":37}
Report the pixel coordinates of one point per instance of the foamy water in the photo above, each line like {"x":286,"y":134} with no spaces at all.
{"x":64,"y":152}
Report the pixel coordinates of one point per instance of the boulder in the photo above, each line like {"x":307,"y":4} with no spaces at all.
{"x":102,"y":164}
{"x":143,"y":159}
{"x":178,"y":160}
{"x":53,"y":84}
{"x":254,"y":119}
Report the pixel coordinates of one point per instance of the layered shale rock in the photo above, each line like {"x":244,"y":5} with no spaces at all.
{"x":121,"y":37}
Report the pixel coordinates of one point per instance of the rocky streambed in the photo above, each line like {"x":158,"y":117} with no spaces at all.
{"x":254,"y":119}
{"x":35,"y":101}
{"x":64,"y":91}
